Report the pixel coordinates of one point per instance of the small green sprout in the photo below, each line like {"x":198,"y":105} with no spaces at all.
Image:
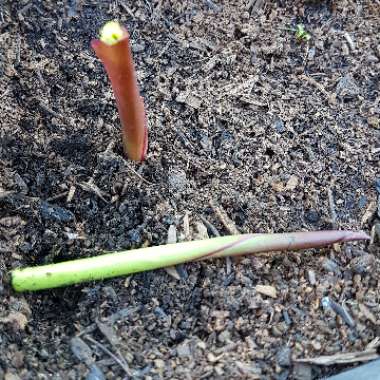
{"x":111,"y":33}
{"x":301,"y":34}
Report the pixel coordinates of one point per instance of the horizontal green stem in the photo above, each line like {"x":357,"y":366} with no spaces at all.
{"x":143,"y":259}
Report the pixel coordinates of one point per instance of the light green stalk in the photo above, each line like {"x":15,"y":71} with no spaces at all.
{"x":143,"y":259}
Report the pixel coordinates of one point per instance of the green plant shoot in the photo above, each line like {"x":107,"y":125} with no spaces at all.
{"x":302,"y":34}
{"x":139,"y":260}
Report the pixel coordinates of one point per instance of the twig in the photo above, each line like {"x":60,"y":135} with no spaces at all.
{"x":342,"y":358}
{"x":230,"y":227}
{"x":108,"y":332}
{"x":4,"y":194}
{"x":39,"y":76}
{"x":332,"y":208}
{"x":136,"y":174}
{"x":108,"y":352}
{"x":58,"y":196}
{"x":225,"y":220}
{"x":49,"y":110}
{"x":349,"y":41}
{"x":186,"y":226}
{"x":6,"y":92}
{"x":92,"y":188}
{"x":121,"y":3}
{"x":210,"y":226}
{"x":123,"y":313}
{"x":18,"y":51}
{"x":330,"y":97}
{"x":327,"y":302}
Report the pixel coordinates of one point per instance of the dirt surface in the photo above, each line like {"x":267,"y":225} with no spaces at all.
{"x":279,"y":134}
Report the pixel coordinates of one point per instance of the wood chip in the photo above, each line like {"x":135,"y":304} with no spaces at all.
{"x":186,"y":226}
{"x":369,"y":213}
{"x":311,"y":277}
{"x":4,"y":194}
{"x":374,"y":344}
{"x":267,"y":290}
{"x":368,"y":314}
{"x":192,"y":100}
{"x":202,"y":233}
{"x":292,"y":183}
{"x":172,"y":239}
{"x":12,"y":221}
{"x":172,"y":235}
{"x":70,"y":194}
{"x":108,"y":332}
{"x":343,"y":358}
{"x":92,"y":188}
{"x":278,"y":186}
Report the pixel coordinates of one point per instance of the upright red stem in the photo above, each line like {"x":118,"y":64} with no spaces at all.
{"x":118,"y":62}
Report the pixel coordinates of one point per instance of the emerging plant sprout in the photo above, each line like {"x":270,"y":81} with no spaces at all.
{"x":114,"y":50}
{"x":301,"y":33}
{"x":139,"y":260}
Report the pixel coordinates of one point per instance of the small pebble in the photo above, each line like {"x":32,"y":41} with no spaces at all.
{"x":311,"y":53}
{"x":362,"y":264}
{"x":95,"y":373}
{"x":287,"y":319}
{"x":311,"y":276}
{"x":183,"y":350}
{"x":81,"y":350}
{"x":138,"y":48}
{"x":49,"y":236}
{"x":26,"y":247}
{"x":284,"y":375}
{"x":312,"y":216}
{"x":158,"y":312}
{"x":302,"y":371}
{"x":283,"y":356}
{"x":55,"y":213}
{"x":330,"y":266}
{"x":177,"y":180}
{"x":347,"y":87}
{"x":279,"y":126}
{"x":43,"y":354}
{"x":362,"y":201}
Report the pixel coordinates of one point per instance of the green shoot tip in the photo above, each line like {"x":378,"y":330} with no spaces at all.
{"x":111,"y":33}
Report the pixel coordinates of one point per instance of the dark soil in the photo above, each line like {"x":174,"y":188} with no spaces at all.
{"x":282,"y":135}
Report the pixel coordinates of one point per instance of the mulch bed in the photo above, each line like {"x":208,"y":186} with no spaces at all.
{"x":251,"y":130}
